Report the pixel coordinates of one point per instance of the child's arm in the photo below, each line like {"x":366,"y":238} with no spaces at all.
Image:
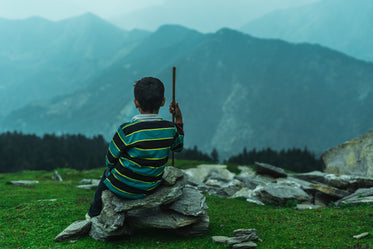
{"x":114,"y":150}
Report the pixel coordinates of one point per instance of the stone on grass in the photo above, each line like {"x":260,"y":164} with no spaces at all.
{"x":74,"y":231}
{"x":220,"y":239}
{"x":360,"y":196}
{"x":56,"y":176}
{"x":267,"y":169}
{"x":306,"y":206}
{"x":245,"y":245}
{"x":280,"y":194}
{"x":362,"y":235}
{"x":243,"y":238}
{"x":23,"y":182}
{"x":331,"y":191}
{"x":242,"y":232}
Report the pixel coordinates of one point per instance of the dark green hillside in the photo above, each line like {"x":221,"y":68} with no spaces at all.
{"x":235,"y":91}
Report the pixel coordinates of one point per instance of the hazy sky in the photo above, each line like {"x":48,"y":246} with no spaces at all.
{"x":204,"y":15}
{"x":61,"y":9}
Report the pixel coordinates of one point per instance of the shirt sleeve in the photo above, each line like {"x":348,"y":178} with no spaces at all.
{"x":116,"y":147}
{"x":178,"y":144}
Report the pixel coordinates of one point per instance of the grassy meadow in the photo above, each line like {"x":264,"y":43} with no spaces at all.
{"x":28,"y":219}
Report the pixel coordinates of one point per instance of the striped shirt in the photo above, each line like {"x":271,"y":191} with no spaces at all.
{"x":138,"y":154}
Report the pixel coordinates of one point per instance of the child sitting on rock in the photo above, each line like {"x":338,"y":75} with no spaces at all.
{"x":139,"y":150}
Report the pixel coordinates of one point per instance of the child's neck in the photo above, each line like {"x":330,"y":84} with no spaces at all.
{"x":146,"y":112}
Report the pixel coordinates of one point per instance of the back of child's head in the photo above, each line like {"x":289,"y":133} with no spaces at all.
{"x":149,"y":92}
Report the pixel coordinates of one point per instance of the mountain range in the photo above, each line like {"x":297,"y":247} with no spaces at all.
{"x":235,"y":90}
{"x":41,"y":58}
{"x":342,"y":25}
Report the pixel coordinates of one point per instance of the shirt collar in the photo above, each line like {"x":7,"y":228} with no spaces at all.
{"x":146,"y":117}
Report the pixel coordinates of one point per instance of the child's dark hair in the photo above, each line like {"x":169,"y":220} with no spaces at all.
{"x":149,"y":92}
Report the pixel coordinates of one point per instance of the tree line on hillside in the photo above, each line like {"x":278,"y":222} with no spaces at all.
{"x":30,"y":152}
{"x":296,"y":160}
{"x":197,"y":155}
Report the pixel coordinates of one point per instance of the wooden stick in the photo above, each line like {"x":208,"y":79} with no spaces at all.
{"x":173,"y":102}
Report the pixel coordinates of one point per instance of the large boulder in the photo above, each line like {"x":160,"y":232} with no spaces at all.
{"x":354,"y":157}
{"x":280,"y":193}
{"x":175,"y":205}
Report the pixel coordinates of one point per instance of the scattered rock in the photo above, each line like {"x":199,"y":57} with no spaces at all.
{"x":48,"y":200}
{"x":360,"y":235}
{"x":280,"y":194}
{"x":57,"y":176}
{"x":74,"y":231}
{"x":243,"y":238}
{"x":354,"y":157}
{"x":331,"y":191}
{"x":88,"y":184}
{"x":267,"y":169}
{"x":245,"y":245}
{"x":306,"y":206}
{"x":23,"y":182}
{"x":345,"y":182}
{"x":220,"y":239}
{"x":207,"y":171}
{"x":364,"y":195}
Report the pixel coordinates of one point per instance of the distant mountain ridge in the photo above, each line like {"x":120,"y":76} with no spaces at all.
{"x":41,"y":58}
{"x":339,"y":24}
{"x":235,"y":91}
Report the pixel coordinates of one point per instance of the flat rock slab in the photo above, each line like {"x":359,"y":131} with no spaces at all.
{"x":267,"y":169}
{"x":164,"y":195}
{"x":157,"y":218}
{"x":280,"y":194}
{"x":220,"y":239}
{"x":74,"y":231}
{"x":23,"y":182}
{"x":361,"y":196}
{"x":245,"y":245}
{"x":306,"y":206}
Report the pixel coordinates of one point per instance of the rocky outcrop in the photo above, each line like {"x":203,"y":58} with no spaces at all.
{"x":354,"y":157}
{"x":266,"y":183}
{"x":176,"y":206}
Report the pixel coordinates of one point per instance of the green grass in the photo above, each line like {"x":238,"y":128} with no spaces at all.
{"x":26,"y":222}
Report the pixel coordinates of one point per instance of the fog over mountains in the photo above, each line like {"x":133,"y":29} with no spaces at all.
{"x":40,"y":58}
{"x":235,"y":90}
{"x":343,"y":25}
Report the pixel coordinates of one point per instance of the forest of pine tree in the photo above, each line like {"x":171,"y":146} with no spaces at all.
{"x":295,"y":160}
{"x":30,"y":152}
